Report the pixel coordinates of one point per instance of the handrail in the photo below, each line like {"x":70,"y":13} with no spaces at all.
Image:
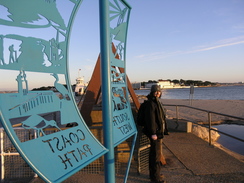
{"x":209,"y":120}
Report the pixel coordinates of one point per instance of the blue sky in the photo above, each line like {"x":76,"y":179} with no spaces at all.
{"x":167,"y":39}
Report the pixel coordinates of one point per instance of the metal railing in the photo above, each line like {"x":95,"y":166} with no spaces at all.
{"x":12,"y":165}
{"x":209,"y":126}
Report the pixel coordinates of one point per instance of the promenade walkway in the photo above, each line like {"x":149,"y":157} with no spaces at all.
{"x":189,"y":160}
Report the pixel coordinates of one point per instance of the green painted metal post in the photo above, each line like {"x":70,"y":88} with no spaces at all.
{"x":106,"y":91}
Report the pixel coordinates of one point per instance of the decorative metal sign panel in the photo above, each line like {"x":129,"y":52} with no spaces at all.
{"x":34,"y":37}
{"x":123,"y":121}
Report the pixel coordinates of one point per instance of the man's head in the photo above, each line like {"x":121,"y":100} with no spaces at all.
{"x":156,"y":91}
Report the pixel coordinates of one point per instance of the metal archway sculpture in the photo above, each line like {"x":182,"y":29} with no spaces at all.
{"x":24,"y":51}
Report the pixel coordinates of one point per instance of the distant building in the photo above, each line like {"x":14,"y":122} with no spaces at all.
{"x":149,"y":85}
{"x":165,"y":84}
{"x":80,"y":86}
{"x":136,"y":86}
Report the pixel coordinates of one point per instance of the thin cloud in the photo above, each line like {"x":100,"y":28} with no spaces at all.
{"x":152,"y":56}
{"x":220,"y":44}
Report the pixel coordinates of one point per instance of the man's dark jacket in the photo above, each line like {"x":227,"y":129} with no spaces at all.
{"x":154,"y":117}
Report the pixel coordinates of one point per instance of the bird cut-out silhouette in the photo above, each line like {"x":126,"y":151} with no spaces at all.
{"x":38,"y":123}
{"x":60,"y":88}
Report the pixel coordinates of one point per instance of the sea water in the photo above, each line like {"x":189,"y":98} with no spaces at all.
{"x":230,"y":143}
{"x":205,"y":93}
{"x":212,"y":93}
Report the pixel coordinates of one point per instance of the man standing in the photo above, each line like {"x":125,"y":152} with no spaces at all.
{"x":155,"y":128}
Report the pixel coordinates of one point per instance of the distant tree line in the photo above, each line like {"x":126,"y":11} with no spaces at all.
{"x":183,"y":82}
{"x":50,"y":88}
{"x":193,"y":82}
{"x":43,"y":88}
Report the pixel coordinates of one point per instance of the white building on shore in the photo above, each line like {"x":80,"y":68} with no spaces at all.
{"x":165,"y":84}
{"x":80,"y":85}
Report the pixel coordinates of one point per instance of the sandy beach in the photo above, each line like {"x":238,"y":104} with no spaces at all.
{"x":229,"y":107}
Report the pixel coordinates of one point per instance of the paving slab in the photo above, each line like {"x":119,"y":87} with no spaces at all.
{"x":199,"y":157}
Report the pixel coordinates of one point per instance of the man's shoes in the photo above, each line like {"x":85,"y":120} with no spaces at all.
{"x":166,"y":133}
{"x":159,"y":181}
{"x":161,"y":177}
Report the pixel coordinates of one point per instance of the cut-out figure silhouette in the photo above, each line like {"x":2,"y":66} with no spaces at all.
{"x":20,"y":79}
{"x":12,"y":54}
